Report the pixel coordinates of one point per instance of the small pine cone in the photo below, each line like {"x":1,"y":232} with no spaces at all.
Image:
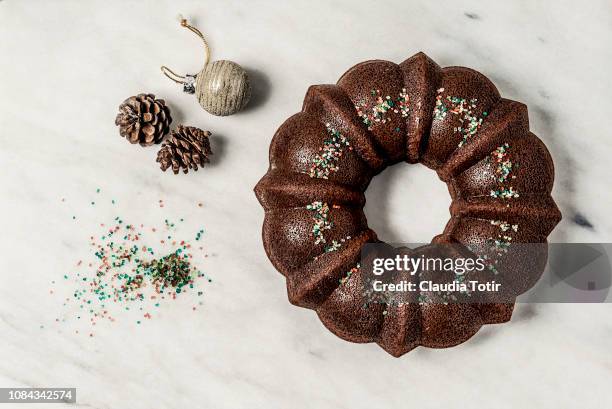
{"x":186,"y":148}
{"x":143,"y":119}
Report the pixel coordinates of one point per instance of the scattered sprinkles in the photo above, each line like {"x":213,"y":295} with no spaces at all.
{"x":505,"y":226}
{"x":349,"y":273}
{"x":336,"y":244}
{"x":504,"y":165}
{"x":321,"y":219}
{"x":500,"y":244}
{"x":502,"y":241}
{"x":503,"y":173}
{"x":373,"y":112}
{"x":125,"y":274}
{"x":325,"y":162}
{"x":504,"y":193}
{"x":469,"y":122}
{"x":199,"y":234}
{"x":322,"y":222}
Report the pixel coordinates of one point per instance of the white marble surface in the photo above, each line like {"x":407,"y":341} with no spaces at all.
{"x":65,"y":67}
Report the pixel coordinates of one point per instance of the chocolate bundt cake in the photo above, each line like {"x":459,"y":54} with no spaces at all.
{"x":454,"y":121}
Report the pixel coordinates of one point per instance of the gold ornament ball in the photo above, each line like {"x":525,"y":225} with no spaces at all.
{"x":223,"y":88}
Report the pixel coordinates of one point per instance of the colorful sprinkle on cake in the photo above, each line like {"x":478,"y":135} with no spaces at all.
{"x":469,"y":122}
{"x":375,"y":112}
{"x":326,"y":162}
{"x":321,"y":219}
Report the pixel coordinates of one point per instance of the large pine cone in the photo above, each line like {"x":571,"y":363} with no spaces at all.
{"x":143,"y":119}
{"x":186,"y":148}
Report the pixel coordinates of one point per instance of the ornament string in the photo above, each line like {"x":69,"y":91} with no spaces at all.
{"x":181,"y":79}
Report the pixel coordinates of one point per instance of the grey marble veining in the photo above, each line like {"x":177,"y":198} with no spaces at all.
{"x":67,"y":65}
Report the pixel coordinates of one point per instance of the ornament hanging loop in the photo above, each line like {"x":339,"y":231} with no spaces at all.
{"x":179,"y":79}
{"x":197,"y":32}
{"x":188,"y":81}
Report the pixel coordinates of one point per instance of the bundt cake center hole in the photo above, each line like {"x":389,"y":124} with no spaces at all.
{"x":407,"y":204}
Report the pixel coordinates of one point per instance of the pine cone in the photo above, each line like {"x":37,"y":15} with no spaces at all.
{"x":143,"y":119}
{"x":186,"y":148}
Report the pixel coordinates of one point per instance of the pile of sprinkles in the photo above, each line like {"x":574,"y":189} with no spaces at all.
{"x":373,"y":112}
{"x":125,"y":272}
{"x":469,"y":122}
